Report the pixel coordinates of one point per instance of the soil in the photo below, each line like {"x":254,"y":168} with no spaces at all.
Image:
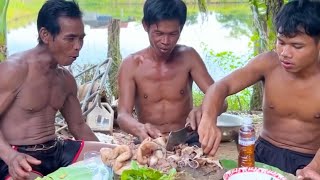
{"x":228,"y":150}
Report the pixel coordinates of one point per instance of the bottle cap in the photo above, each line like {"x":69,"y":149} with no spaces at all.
{"x":246,"y":120}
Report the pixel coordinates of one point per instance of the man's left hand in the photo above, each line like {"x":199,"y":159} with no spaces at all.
{"x":194,"y":118}
{"x":307,"y":174}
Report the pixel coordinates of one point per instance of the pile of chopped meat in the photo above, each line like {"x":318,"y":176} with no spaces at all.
{"x":152,"y":153}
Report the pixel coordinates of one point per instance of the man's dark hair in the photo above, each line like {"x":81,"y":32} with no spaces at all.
{"x":51,"y":11}
{"x":299,"y":16}
{"x":157,"y":10}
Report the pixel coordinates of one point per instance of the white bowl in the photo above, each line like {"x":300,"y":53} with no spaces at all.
{"x":229,"y":125}
{"x":252,"y":173}
{"x":229,"y":120}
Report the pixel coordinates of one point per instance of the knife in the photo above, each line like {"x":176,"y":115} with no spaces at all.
{"x":178,"y":137}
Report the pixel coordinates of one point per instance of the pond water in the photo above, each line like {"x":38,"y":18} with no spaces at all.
{"x":219,"y":30}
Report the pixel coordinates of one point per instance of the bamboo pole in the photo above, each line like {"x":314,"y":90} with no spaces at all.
{"x":3,"y":29}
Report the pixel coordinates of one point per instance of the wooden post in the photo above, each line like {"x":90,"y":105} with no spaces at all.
{"x":114,"y":53}
{"x":3,"y":29}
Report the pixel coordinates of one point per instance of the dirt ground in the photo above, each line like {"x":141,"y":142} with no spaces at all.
{"x":228,"y":150}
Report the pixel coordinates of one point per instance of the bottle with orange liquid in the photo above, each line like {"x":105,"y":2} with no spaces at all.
{"x":246,"y":143}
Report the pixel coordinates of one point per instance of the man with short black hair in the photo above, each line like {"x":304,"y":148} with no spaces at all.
{"x":33,"y":87}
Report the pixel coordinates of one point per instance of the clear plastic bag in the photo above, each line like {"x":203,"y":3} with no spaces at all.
{"x":92,"y":160}
{"x":91,"y":168}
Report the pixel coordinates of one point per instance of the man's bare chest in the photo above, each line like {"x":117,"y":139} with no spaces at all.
{"x":40,"y":93}
{"x":296,"y":101}
{"x":169,"y":84}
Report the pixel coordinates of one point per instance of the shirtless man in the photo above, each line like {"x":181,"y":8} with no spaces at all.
{"x":158,"y":79}
{"x":291,"y":109}
{"x":33,"y":87}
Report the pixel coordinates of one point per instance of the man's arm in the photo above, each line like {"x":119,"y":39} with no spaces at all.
{"x":198,"y":70}
{"x":12,"y":76}
{"x":127,"y":92}
{"x":209,"y":134}
{"x":72,"y":113}
{"x":312,"y":170}
{"x":202,"y":78}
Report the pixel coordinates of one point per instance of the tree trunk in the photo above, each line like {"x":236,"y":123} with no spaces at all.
{"x":202,"y":4}
{"x":3,"y":29}
{"x":264,"y":27}
{"x":114,"y":53}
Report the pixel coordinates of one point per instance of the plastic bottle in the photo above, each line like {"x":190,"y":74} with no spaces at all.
{"x":246,"y":143}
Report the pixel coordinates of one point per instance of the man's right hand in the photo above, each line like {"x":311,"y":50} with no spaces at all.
{"x":209,"y":136}
{"x":19,"y":165}
{"x":148,"y":130}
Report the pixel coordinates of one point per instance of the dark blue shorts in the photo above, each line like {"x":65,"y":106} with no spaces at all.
{"x":52,"y":154}
{"x":284,"y":159}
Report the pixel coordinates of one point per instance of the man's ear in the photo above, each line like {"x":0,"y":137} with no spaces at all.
{"x":44,"y":35}
{"x":145,"y":26}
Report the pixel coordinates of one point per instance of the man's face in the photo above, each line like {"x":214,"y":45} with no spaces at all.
{"x":66,"y":45}
{"x":163,"y":36}
{"x":297,"y":53}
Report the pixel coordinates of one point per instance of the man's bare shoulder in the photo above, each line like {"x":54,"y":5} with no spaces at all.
{"x":265,"y":62}
{"x":186,"y":51}
{"x":13,"y":71}
{"x":188,"y":56}
{"x":68,"y":78}
{"x":271,"y":55}
{"x":133,"y":60}
{"x":183,"y":49}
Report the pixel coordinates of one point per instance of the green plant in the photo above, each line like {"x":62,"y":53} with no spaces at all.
{"x":228,"y":62}
{"x":3,"y":28}
{"x":144,"y":173}
{"x":197,"y":97}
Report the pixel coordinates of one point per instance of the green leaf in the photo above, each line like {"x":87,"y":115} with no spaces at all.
{"x":144,"y":173}
{"x":134,"y":165}
{"x":265,"y":166}
{"x":228,"y":164}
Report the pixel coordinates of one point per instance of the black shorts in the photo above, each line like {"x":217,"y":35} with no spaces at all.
{"x":284,"y":159}
{"x":52,"y":154}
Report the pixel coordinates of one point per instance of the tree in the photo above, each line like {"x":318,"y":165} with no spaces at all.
{"x":263,"y":12}
{"x":3,"y":28}
{"x":114,"y":54}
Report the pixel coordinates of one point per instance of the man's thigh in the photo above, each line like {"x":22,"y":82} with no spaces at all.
{"x":31,"y":177}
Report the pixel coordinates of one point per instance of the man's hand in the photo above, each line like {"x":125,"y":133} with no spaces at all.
{"x":194,"y":118}
{"x":148,"y":130}
{"x":209,"y":136}
{"x":307,"y":174}
{"x":20,"y":165}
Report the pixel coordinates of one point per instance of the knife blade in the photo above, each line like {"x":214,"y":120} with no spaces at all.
{"x":177,"y":137}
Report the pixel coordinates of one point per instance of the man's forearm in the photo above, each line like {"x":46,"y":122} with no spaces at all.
{"x":214,"y":103}
{"x":128,"y":124}
{"x":84,"y":132}
{"x":315,"y":163}
{"x":224,"y":107}
{"x":5,"y":149}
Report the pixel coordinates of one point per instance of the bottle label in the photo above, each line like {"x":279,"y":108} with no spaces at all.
{"x":247,"y":141}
